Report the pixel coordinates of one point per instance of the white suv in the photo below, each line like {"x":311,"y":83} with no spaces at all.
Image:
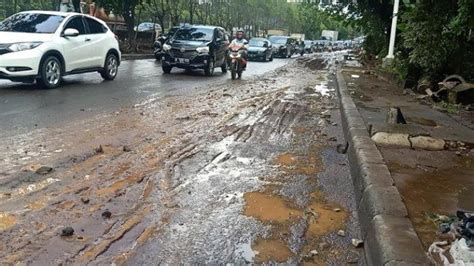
{"x":45,"y":46}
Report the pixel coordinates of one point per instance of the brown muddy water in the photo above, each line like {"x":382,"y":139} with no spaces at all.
{"x":433,"y":187}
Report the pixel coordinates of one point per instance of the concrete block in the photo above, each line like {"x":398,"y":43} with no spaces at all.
{"x":427,"y":143}
{"x":377,"y":201}
{"x":393,"y":239}
{"x":376,"y":175}
{"x":392,"y":139}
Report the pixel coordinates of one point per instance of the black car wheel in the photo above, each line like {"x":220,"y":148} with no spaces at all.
{"x":209,"y":71}
{"x":166,"y":69}
{"x":51,"y":72}
{"x":224,"y":66}
{"x":271,"y":57}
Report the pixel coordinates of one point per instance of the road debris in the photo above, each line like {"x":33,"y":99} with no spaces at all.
{"x":341,"y":233}
{"x":357,"y":243}
{"x":67,"y":231}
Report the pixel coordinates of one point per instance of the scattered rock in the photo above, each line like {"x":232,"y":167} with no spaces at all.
{"x":126,"y":149}
{"x":99,"y":149}
{"x":357,"y":242}
{"x":106,"y":214}
{"x":44,"y":170}
{"x":336,"y":209}
{"x":313,"y":252}
{"x":342,"y":148}
{"x":333,"y":139}
{"x":67,"y":231}
{"x":341,"y":233}
{"x":352,"y":258}
{"x":227,"y":95}
{"x":85,"y":200}
{"x":82,"y":109}
{"x":323,"y":245}
{"x":325,"y":114}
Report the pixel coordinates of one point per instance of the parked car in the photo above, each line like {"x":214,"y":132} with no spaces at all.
{"x":148,"y":26}
{"x":45,"y":46}
{"x":283,"y":46}
{"x":308,"y":46}
{"x":196,"y":47}
{"x":260,"y":49}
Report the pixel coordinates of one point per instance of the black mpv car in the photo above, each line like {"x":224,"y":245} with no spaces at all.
{"x":196,"y":47}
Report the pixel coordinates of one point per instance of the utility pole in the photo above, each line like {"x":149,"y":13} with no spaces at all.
{"x":393,"y":33}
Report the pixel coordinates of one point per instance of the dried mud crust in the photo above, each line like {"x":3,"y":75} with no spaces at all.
{"x":170,"y":178}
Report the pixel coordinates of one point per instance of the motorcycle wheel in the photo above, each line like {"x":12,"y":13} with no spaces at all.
{"x":233,"y":71}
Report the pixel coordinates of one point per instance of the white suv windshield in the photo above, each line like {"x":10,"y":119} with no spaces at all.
{"x":31,"y":23}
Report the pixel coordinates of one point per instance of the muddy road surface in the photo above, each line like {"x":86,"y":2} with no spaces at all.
{"x":230,"y":172}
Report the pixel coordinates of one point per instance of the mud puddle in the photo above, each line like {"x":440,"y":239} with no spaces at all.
{"x":317,"y":220}
{"x":435,"y":190}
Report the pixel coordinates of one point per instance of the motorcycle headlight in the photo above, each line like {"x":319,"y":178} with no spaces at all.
{"x":203,"y":50}
{"x":23,"y":46}
{"x":166,"y":47}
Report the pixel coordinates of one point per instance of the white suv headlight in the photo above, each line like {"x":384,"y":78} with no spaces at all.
{"x":166,"y":47}
{"x":23,"y":46}
{"x":203,"y":50}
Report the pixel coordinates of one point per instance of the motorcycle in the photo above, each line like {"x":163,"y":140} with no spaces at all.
{"x":158,"y":47}
{"x":236,"y":61}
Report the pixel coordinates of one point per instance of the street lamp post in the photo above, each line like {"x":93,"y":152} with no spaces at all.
{"x":393,"y":33}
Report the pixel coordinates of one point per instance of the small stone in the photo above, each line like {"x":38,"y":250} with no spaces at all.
{"x":341,"y":233}
{"x":353,"y":258}
{"x":106,"y":214}
{"x":336,"y":209}
{"x":44,"y":170}
{"x":313,"y":252}
{"x":126,"y":149}
{"x":82,"y":109}
{"x":357,"y":242}
{"x":334,"y":139}
{"x":85,"y":200}
{"x":67,"y":231}
{"x":99,"y":149}
{"x":323,"y":245}
{"x":458,"y":153}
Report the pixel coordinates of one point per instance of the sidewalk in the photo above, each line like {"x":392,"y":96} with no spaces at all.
{"x":429,"y":157}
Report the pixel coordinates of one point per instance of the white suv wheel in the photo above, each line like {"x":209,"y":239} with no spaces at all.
{"x":110,"y":68}
{"x":50,"y":74}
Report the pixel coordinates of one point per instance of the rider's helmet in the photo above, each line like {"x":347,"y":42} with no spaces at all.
{"x":240,"y":34}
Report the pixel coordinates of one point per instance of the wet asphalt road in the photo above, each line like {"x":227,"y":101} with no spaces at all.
{"x":24,"y":107}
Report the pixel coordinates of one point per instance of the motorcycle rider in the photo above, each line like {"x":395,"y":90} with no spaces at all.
{"x":240,"y":40}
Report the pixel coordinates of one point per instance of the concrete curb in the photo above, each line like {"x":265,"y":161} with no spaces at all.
{"x":389,"y":236}
{"x":137,"y":56}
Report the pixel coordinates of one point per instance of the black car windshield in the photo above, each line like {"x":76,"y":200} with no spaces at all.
{"x":31,"y":23}
{"x":256,"y":42}
{"x":278,"y":40}
{"x":194,"y":34}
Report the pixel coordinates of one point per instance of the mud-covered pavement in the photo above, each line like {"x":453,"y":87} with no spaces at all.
{"x":246,"y":171}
